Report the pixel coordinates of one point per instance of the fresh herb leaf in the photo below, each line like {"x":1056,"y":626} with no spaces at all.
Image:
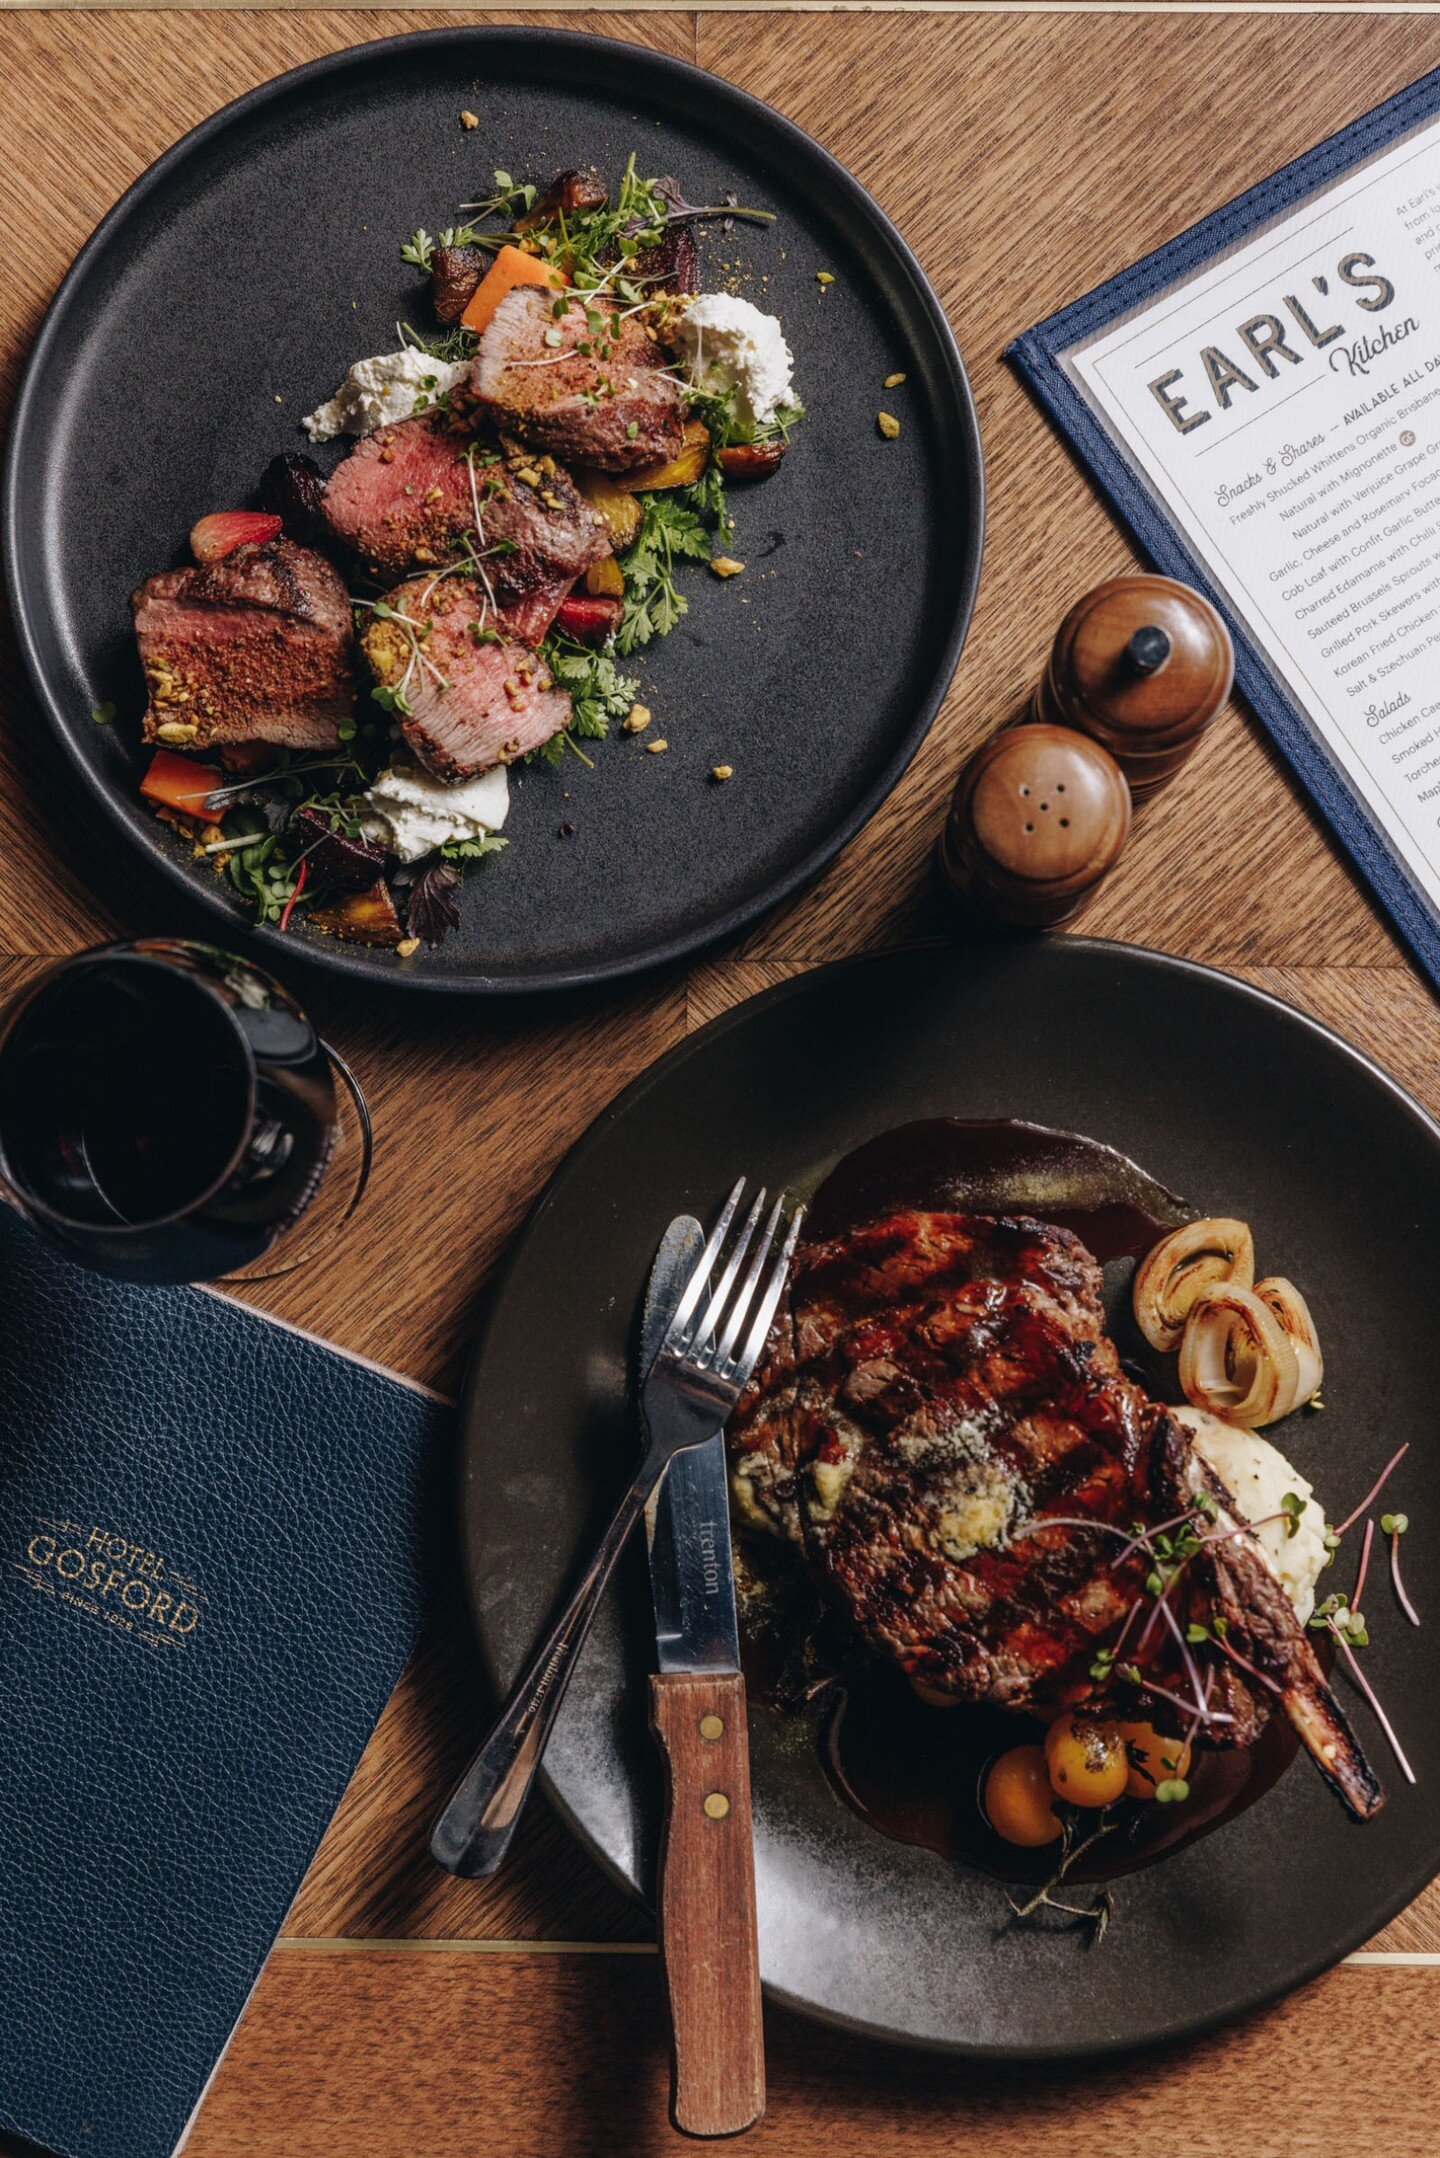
{"x":653,"y":604}
{"x":449,"y":345}
{"x":432,"y":912}
{"x":473,"y":850}
{"x":600,"y":694}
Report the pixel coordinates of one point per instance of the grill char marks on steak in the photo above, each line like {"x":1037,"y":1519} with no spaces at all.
{"x":934,"y":1383}
{"x":595,"y":397}
{"x":406,"y":498}
{"x":473,"y":702}
{"x":256,"y":647}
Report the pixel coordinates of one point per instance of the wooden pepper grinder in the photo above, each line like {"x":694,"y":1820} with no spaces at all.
{"x":1143,"y":664}
{"x":1039,"y":817}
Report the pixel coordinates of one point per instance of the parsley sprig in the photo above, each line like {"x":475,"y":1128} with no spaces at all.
{"x":653,"y":603}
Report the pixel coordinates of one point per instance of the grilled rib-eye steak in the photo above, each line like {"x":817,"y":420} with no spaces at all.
{"x":257,"y":647}
{"x":474,"y":694}
{"x":937,"y":1384}
{"x":408,"y":497}
{"x":587,"y":385}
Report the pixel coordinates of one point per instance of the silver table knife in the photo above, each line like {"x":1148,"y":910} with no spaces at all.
{"x":706,"y":1894}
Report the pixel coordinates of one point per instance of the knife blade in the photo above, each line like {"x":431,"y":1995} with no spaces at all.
{"x":687,"y":1523}
{"x":706,"y":1891}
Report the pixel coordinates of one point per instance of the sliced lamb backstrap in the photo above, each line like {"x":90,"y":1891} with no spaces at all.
{"x":473,"y":694}
{"x":581,"y":378}
{"x":408,"y":497}
{"x":255,"y":648}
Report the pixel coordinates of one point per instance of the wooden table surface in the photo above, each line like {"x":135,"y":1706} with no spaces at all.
{"x":1026,"y":153}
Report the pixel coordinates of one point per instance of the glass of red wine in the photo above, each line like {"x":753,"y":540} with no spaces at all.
{"x":168,"y":1113}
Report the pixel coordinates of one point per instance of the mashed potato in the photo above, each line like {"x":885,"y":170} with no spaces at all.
{"x":1257,"y":1477}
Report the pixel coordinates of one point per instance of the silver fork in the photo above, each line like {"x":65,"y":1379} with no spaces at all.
{"x":708,"y":1353}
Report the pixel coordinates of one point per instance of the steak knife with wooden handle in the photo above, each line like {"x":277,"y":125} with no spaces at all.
{"x":697,"y":1710}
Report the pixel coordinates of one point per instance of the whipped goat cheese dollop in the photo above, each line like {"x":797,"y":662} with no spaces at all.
{"x":377,"y":392}
{"x":1257,"y":1476}
{"x":411,"y":812}
{"x":729,"y":344}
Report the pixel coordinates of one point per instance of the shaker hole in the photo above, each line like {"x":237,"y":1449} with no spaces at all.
{"x":1059,"y":786}
{"x":1024,"y":790}
{"x":1064,"y":824}
{"x":1044,"y":806}
{"x":1029,"y":827}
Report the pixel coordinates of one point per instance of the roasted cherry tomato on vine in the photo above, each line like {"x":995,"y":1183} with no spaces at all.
{"x":1019,"y":1803}
{"x":1086,"y":1759}
{"x":1153,"y":1759}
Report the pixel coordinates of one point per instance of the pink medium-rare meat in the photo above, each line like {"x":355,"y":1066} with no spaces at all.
{"x":580,"y":378}
{"x":258,"y":647}
{"x":409,"y":497}
{"x":467,"y":694}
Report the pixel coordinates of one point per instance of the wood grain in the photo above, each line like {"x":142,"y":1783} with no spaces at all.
{"x":1026,"y":155}
{"x":710,"y":1956}
{"x":397,"y":2055}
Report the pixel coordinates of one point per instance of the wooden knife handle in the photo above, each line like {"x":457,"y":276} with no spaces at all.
{"x":707,"y":1903}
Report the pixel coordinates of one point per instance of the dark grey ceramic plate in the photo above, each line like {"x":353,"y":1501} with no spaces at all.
{"x":1229,"y":1098}
{"x":260,"y":257}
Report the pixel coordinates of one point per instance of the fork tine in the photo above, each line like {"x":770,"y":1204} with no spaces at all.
{"x":703,"y":1267}
{"x":705,"y":1331}
{"x":741,"y":1367}
{"x":743,"y":1301}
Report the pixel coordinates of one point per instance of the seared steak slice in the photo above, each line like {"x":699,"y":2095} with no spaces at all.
{"x":407,"y":497}
{"x":454,"y":274}
{"x":937,"y":1385}
{"x":585,"y":384}
{"x":473,"y":694}
{"x":257,"y":647}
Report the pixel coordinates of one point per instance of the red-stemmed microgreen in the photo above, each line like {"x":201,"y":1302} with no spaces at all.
{"x":1394,"y":1526}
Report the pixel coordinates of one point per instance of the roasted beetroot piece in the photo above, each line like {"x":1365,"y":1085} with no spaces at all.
{"x":454,"y":274}
{"x":579,"y":378}
{"x":466,"y":695}
{"x":256,"y":647}
{"x":581,"y":189}
{"x":590,"y":618}
{"x":750,"y":460}
{"x":222,"y":532}
{"x":294,"y":488}
{"x":337,"y":862}
{"x":407,"y":497}
{"x":671,"y":265}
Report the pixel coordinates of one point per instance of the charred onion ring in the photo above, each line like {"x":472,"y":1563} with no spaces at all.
{"x":1182,"y":1267}
{"x":1291,"y":1309}
{"x":1237,"y":1361}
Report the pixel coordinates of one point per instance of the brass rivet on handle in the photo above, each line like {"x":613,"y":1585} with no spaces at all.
{"x":717,"y":1805}
{"x":712,"y":1726}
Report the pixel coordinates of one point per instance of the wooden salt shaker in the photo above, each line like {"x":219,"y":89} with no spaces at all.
{"x":1039,"y":817}
{"x":1144,"y":665}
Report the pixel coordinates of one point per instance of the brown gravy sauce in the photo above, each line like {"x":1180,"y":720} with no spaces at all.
{"x":915,"y":1772}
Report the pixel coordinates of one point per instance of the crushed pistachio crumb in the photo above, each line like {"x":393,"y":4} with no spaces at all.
{"x":658,"y":748}
{"x":893,"y":382}
{"x":637,"y":719}
{"x":469,"y":119}
{"x":824,"y":277}
{"x":407,"y":947}
{"x":888,"y":425}
{"x":725,"y":565}
{"x":722,"y":771}
{"x":174,"y":730}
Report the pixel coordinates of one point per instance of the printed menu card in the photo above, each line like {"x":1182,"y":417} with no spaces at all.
{"x":1261,"y":398}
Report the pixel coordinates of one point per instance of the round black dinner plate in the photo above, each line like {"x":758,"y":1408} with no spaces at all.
{"x":1232,"y":1100}
{"x":232,"y":287}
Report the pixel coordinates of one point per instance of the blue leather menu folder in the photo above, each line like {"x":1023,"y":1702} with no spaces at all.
{"x":213,"y":1535}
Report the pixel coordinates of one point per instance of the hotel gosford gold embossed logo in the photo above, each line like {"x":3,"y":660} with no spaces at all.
{"x":103,"y":1575}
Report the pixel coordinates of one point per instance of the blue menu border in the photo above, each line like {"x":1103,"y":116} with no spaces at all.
{"x":1038,"y":357}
